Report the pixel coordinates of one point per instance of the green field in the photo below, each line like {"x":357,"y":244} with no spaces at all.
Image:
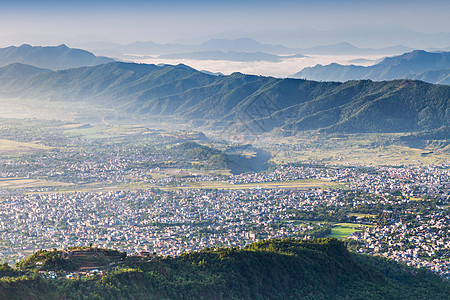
{"x":343,"y":230}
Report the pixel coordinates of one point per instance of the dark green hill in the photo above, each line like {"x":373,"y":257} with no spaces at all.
{"x":232,"y":159}
{"x":273,"y":269}
{"x":259,"y":103}
{"x":71,"y":259}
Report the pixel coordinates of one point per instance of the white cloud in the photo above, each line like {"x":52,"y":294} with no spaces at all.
{"x":277,"y":69}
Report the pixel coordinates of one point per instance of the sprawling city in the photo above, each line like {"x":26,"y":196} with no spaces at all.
{"x":141,"y":198}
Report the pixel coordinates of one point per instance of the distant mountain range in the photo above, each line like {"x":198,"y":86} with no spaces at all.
{"x":236,"y":45}
{"x":259,"y":104}
{"x":230,"y":56}
{"x":244,"y":45}
{"x":349,"y":49}
{"x":418,"y":64}
{"x":367,"y":37}
{"x":55,"y":58}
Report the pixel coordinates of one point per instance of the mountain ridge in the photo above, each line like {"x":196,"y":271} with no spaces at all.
{"x":240,"y":45}
{"x":141,"y":90}
{"x":19,"y":70}
{"x":407,"y":65}
{"x":345,"y":48}
{"x":50,"y":57}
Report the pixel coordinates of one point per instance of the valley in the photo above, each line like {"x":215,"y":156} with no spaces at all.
{"x":206,"y":150}
{"x":134,"y":188}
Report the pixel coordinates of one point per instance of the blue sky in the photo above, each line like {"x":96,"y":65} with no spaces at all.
{"x":167,"y":21}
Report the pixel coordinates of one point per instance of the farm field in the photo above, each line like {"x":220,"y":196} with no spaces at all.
{"x":356,"y":149}
{"x":303,"y":183}
{"x":11,"y":147}
{"x":17,"y":183}
{"x":307,"y":184}
{"x":221,"y":185}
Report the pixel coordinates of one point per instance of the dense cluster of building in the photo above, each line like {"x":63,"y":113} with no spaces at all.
{"x":171,"y":222}
{"x":165,"y":222}
{"x":71,"y":166}
{"x":423,"y":242}
{"x":407,"y":181}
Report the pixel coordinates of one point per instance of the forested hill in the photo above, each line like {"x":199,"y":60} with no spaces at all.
{"x":273,"y":269}
{"x":140,"y":90}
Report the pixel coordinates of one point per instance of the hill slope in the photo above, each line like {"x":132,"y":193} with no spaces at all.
{"x":408,"y":65}
{"x":274,"y":269}
{"x":54,"y":58}
{"x":262,"y":103}
{"x":19,"y":71}
{"x":435,"y":76}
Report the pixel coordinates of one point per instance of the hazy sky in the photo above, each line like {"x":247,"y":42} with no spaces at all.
{"x":63,"y":21}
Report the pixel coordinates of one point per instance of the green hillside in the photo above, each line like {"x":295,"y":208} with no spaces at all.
{"x":273,"y":269}
{"x":259,"y":103}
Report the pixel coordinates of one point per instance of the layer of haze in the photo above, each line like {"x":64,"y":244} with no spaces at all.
{"x":71,"y":22}
{"x":283,"y":68}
